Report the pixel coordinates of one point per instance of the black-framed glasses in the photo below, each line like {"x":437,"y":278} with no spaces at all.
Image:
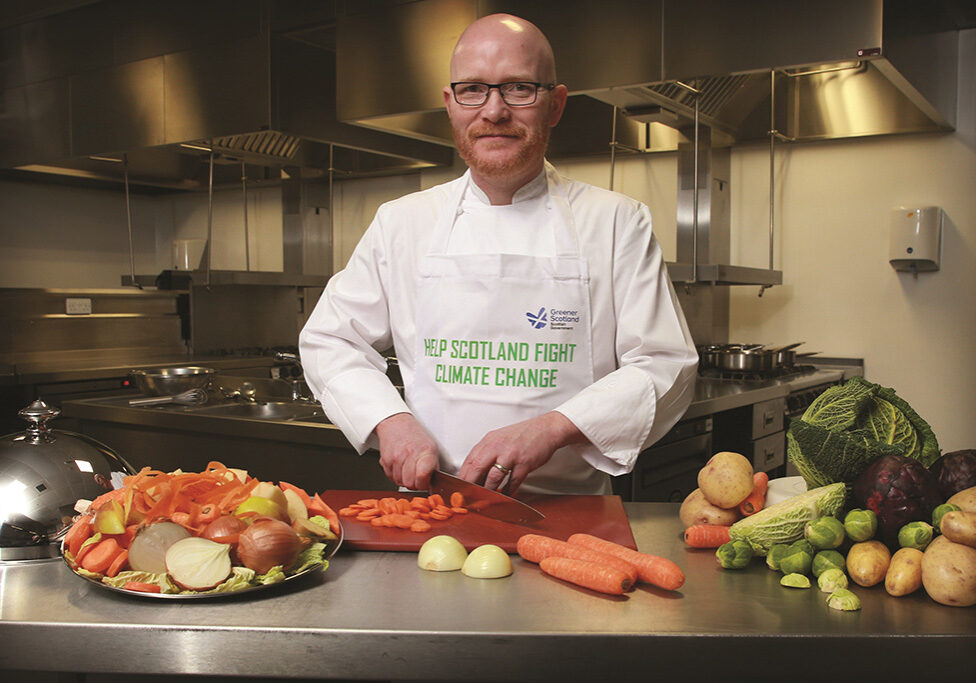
{"x":514,"y":93}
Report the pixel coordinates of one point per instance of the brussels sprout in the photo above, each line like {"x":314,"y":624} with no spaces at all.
{"x":915,"y":535}
{"x":824,"y":532}
{"x":939,"y":512}
{"x":795,"y":581}
{"x":734,"y":554}
{"x":775,"y":554}
{"x":827,"y":559}
{"x":832,"y":579}
{"x":843,"y":600}
{"x":798,"y":559}
{"x":860,"y":525}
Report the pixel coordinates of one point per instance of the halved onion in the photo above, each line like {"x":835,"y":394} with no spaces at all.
{"x":441,"y":554}
{"x":487,"y":562}
{"x":198,"y":564}
{"x":147,"y":552}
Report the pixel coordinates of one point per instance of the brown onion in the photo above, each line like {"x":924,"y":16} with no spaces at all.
{"x":267,"y":543}
{"x":224,"y":529}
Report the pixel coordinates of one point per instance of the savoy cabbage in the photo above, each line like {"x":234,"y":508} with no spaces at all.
{"x":851,"y":425}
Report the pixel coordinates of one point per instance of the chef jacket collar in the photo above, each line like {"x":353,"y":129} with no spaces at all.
{"x":531,"y":190}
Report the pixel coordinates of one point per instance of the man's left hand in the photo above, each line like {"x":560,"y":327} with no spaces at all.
{"x":517,"y":450}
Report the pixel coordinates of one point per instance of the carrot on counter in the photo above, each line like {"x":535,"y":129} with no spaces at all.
{"x":706,"y":535}
{"x":658,"y":571}
{"x":535,"y":548}
{"x":597,"y":577}
{"x":755,"y":501}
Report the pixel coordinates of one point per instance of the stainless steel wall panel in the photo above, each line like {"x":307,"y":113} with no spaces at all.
{"x":116,"y":109}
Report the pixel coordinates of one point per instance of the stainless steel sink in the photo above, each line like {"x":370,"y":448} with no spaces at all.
{"x":267,"y":410}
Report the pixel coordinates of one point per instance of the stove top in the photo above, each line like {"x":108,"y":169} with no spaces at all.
{"x":744,"y":376}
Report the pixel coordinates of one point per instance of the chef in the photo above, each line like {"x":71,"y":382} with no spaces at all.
{"x":539,"y":339}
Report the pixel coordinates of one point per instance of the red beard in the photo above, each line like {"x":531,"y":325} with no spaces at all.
{"x":480,"y":157}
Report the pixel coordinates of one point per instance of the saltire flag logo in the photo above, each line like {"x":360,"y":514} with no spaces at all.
{"x":537,"y":320}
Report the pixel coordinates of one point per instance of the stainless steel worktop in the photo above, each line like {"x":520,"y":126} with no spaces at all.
{"x":377,"y":616}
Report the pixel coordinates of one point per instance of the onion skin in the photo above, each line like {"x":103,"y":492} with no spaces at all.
{"x":268,"y":543}
{"x":224,"y":527}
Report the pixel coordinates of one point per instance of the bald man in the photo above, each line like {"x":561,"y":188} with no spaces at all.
{"x":539,"y":339}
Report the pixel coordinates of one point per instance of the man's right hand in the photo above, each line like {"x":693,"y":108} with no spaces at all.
{"x":408,"y":453}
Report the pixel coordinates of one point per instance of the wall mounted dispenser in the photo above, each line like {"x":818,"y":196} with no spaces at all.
{"x":916,"y":239}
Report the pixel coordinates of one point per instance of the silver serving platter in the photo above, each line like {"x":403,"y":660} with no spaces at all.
{"x":330,"y":550}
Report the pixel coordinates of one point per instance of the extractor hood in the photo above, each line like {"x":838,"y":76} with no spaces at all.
{"x":149,"y":88}
{"x":841,"y":68}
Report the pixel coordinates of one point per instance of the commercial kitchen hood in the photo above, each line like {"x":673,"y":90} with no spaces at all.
{"x":695,"y":76}
{"x":843,"y":68}
{"x":149,"y":88}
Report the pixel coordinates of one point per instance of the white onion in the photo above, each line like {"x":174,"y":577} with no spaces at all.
{"x":441,"y":554}
{"x":487,"y":562}
{"x":198,"y":564}
{"x":147,"y":552}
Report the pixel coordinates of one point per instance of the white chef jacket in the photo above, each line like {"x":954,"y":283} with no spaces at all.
{"x":644,"y":359}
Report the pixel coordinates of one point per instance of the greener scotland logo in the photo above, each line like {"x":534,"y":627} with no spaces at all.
{"x":537,"y":320}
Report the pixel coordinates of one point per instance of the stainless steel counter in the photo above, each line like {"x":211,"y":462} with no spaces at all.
{"x":377,"y":616}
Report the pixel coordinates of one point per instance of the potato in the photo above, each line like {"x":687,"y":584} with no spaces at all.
{"x":697,"y":510}
{"x":867,"y":562}
{"x":965,"y":499}
{"x":904,"y":573}
{"x":949,"y":572}
{"x":726,"y":479}
{"x":959,"y":526}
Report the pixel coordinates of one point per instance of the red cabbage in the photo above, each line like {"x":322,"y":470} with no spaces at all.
{"x":955,"y":471}
{"x":898,"y":490}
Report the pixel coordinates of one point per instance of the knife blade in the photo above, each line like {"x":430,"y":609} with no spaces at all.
{"x":484,"y":501}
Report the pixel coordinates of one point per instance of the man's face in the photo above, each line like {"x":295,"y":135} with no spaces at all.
{"x":497,"y":140}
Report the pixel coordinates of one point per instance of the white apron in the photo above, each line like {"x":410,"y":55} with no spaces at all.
{"x":502,"y":338}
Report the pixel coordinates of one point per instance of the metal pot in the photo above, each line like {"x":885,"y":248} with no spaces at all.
{"x":786,"y":356}
{"x":171,"y":381}
{"x":43,"y":473}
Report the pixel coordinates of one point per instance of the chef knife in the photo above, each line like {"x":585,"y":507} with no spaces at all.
{"x":484,"y":501}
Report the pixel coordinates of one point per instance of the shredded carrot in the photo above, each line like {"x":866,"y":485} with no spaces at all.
{"x":755,"y":501}
{"x":706,"y":535}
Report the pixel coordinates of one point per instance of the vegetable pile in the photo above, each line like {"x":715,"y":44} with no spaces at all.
{"x":939,"y":556}
{"x":851,"y":425}
{"x":219,"y":530}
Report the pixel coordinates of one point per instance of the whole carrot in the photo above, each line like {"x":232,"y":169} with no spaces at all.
{"x":596,"y":577}
{"x":706,"y":535}
{"x":652,"y":569}
{"x":755,"y":501}
{"x":535,"y":548}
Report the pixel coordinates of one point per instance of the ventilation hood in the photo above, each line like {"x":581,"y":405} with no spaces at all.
{"x":149,"y":88}
{"x":840,"y":68}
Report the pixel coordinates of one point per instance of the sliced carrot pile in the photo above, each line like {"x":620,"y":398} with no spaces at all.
{"x":413,"y":514}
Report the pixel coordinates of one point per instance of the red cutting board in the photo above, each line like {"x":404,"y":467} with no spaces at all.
{"x":601,"y":516}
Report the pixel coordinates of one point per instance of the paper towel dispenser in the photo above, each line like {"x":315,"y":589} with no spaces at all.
{"x":916,"y":239}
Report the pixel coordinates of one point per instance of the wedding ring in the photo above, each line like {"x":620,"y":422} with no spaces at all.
{"x":502,"y":468}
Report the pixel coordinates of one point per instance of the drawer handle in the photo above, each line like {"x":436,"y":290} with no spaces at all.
{"x":768,"y":418}
{"x":769,"y":454}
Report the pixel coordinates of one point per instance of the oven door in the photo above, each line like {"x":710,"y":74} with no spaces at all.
{"x":668,"y":471}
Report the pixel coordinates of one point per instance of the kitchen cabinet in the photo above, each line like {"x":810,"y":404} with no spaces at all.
{"x":375,"y":615}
